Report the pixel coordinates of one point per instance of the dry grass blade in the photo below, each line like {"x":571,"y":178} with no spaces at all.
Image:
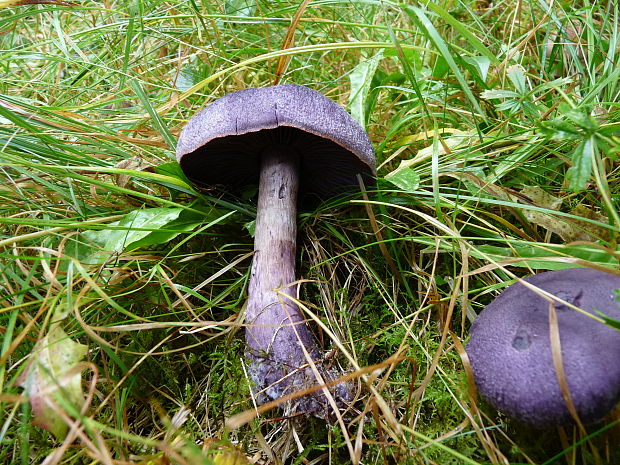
{"x":289,"y":40}
{"x":377,"y":231}
{"x":556,"y":351}
{"x":558,"y":364}
{"x":493,"y":452}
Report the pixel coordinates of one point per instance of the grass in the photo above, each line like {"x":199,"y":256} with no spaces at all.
{"x":474,"y":109}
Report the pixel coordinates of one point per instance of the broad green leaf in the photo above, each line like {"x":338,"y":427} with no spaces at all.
{"x":440,"y":68}
{"x":251,"y":227}
{"x":498,"y":93}
{"x":579,"y":174}
{"x":141,"y":228}
{"x":480,"y":64}
{"x":511,"y":106}
{"x":135,"y":227}
{"x":406,"y":179}
{"x":240,"y":7}
{"x":138,"y":228}
{"x":361,"y":78}
{"x":412,"y":56}
{"x":610,"y":129}
{"x":47,"y":382}
{"x":583,"y":120}
{"x":531,"y":109}
{"x":573,"y":124}
{"x":516,"y":74}
{"x":171,"y":169}
{"x":184,"y":223}
{"x":560,"y":129}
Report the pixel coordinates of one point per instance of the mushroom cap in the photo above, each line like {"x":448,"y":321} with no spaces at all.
{"x":510,"y":352}
{"x":222,"y":144}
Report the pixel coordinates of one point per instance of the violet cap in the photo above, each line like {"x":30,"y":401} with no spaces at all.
{"x":222,"y":144}
{"x":510,"y":350}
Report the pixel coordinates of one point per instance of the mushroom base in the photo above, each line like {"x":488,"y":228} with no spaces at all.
{"x":275,"y":380}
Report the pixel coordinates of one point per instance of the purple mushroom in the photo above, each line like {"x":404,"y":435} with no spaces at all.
{"x":300,"y":148}
{"x":511,"y":357}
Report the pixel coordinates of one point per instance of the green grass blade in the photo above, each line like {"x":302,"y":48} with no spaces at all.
{"x":426,"y":25}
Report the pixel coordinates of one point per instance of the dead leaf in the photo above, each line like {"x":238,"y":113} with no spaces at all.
{"x":289,"y":41}
{"x":586,"y":230}
{"x":568,"y":229}
{"x":133,"y":163}
{"x":552,"y":223}
{"x":543,"y":199}
{"x":48,"y":381}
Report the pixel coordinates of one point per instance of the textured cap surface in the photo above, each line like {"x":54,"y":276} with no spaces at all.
{"x":222,"y":144}
{"x":510,"y":351}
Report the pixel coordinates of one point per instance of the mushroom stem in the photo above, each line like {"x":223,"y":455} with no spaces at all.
{"x":272,"y":315}
{"x":276,"y":328}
